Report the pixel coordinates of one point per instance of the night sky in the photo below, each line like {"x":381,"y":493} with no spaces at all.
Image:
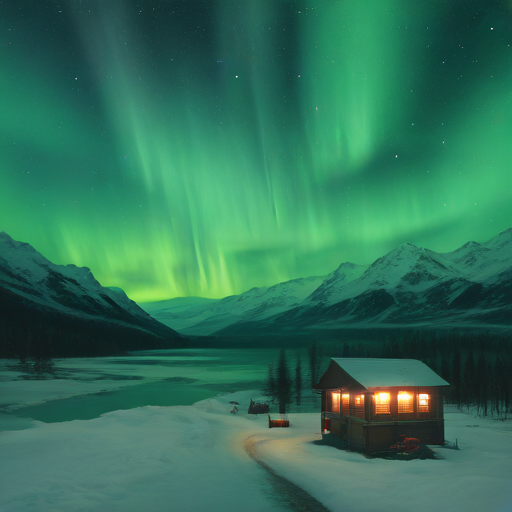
{"x":203,"y":148}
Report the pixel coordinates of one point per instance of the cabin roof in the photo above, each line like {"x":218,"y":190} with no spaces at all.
{"x":372,"y":373}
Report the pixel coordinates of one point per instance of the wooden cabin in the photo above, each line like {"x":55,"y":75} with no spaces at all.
{"x":371,"y":403}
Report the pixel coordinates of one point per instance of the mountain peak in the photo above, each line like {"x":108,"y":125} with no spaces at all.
{"x":470,"y":246}
{"x":502,"y":239}
{"x":407,"y":247}
{"x":403,"y":253}
{"x":507,"y":233}
{"x":14,"y":244}
{"x":347,"y":266}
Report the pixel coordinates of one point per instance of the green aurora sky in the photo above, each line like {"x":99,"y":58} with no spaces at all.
{"x":203,"y":148}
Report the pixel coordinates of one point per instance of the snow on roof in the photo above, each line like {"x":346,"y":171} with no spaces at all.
{"x":390,"y":372}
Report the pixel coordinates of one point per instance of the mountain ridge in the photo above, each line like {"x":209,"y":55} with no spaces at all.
{"x":45,"y":305}
{"x":408,"y":286}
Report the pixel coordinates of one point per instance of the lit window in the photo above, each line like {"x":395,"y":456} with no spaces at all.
{"x":345,"y":400}
{"x":358,"y":405}
{"x":382,"y":401}
{"x":423,"y":402}
{"x":335,"y":402}
{"x":404,"y":402}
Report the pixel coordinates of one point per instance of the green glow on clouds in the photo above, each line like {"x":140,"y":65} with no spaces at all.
{"x":203,"y":153}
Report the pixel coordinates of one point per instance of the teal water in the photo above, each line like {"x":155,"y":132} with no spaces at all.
{"x":161,"y":378}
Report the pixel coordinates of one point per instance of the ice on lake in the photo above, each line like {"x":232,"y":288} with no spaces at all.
{"x":85,"y":388}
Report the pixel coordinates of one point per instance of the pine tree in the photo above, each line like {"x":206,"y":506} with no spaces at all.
{"x":468,"y":380}
{"x":496,"y":391}
{"x":271,"y":386}
{"x":502,"y":385}
{"x":456,"y":372}
{"x":314,"y":363}
{"x":483,"y":389}
{"x":284,"y":392}
{"x":298,"y":381}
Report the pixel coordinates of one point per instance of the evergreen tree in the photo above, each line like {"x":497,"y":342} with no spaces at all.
{"x":298,"y":381}
{"x":314,"y":363}
{"x":456,"y":377}
{"x":496,"y":391}
{"x":271,"y":386}
{"x":284,"y":391}
{"x":468,"y":380}
{"x":502,"y":385}
{"x":483,"y":388}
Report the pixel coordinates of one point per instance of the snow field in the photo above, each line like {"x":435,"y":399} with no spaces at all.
{"x":193,"y":458}
{"x":476,"y":478}
{"x":150,"y":458}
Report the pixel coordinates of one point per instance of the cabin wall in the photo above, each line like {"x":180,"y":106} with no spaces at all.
{"x":355,"y":434}
{"x":337,"y":429}
{"x":382,"y":436}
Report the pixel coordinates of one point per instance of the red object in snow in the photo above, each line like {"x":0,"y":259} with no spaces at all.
{"x":278,"y":423}
{"x":407,"y":445}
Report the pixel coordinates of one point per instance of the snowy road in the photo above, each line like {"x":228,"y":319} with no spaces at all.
{"x":296,"y":497}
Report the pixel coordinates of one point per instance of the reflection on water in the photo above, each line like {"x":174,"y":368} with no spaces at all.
{"x":161,"y":378}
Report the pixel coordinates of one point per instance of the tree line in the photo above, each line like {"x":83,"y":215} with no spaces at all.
{"x":477,"y":365}
{"x":28,"y":330}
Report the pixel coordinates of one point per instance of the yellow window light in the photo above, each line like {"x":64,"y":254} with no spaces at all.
{"x":423,"y":402}
{"x":335,"y":402}
{"x":345,"y":400}
{"x":405,"y":402}
{"x":382,"y":402}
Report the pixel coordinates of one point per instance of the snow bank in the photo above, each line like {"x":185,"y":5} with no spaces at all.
{"x":193,"y":458}
{"x":151,"y":458}
{"x":476,"y":478}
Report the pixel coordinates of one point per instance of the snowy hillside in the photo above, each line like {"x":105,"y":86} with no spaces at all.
{"x":484,"y":262}
{"x":47,"y":298}
{"x":408,"y":286}
{"x":256,"y":304}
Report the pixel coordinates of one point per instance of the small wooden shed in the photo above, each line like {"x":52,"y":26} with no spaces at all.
{"x":371,"y":403}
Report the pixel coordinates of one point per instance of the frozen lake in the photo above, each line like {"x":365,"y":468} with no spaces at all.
{"x":85,"y":388}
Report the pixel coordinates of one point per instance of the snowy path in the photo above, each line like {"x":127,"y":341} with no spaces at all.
{"x":298,"y":499}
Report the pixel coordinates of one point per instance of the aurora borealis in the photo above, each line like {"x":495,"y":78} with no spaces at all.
{"x":203,"y":148}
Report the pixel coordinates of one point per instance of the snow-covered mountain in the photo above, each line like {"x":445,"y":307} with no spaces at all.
{"x":408,"y":286}
{"x":200,"y":316}
{"x":48,"y":300}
